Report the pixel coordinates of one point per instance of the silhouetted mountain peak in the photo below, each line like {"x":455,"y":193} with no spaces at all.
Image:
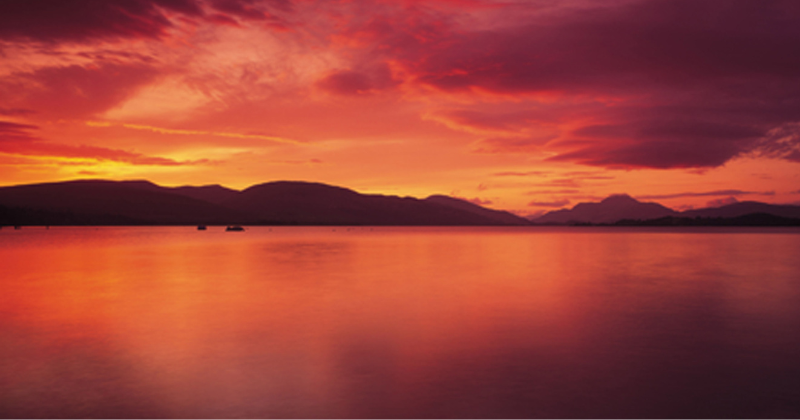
{"x":619,"y":199}
{"x":499,"y":216}
{"x":446,"y":199}
{"x":611,"y":209}
{"x":746,"y":207}
{"x":298,"y":188}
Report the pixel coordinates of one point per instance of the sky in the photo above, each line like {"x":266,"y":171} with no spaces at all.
{"x":526,"y":106}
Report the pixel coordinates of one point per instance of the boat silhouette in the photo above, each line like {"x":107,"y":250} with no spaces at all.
{"x":234,"y":229}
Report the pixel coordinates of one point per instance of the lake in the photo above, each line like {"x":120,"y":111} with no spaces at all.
{"x":399,"y":322}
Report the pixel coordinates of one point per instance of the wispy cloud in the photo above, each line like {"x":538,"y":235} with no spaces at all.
{"x":555,"y":203}
{"x":162,"y":130}
{"x":704,"y":194}
{"x":524,"y":173}
{"x":19,"y":140}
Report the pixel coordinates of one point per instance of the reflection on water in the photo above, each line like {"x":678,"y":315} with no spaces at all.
{"x":399,"y":322}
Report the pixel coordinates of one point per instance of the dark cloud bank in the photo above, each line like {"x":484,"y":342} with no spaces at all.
{"x":671,"y":84}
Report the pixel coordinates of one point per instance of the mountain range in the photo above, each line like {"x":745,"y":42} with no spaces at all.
{"x":100,"y":202}
{"x":622,"y":209}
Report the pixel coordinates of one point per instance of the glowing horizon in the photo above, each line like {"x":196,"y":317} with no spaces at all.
{"x":521,"y":106}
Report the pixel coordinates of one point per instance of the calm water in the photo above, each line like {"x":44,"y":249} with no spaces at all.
{"x":399,"y":322}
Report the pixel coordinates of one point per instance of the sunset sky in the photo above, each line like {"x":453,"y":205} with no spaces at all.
{"x":527,"y":106}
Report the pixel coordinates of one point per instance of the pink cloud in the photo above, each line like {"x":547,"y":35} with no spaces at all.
{"x":75,"y":91}
{"x":525,"y":173}
{"x":634,"y":84}
{"x":17,"y":139}
{"x":479,"y":201}
{"x":729,"y":193}
{"x":554,"y":204}
{"x":51,"y":21}
{"x":16,"y":111}
{"x":511,"y":144}
{"x":55,"y":20}
{"x":687,"y":94}
{"x":351,"y":82}
{"x":14,"y":132}
{"x":722,"y":202}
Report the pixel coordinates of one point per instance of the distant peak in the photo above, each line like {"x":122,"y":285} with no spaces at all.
{"x":136,"y":182}
{"x":619,"y":198}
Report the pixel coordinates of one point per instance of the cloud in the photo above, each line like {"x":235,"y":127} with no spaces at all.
{"x":676,"y":84}
{"x":704,"y":194}
{"x":478,"y":201}
{"x":561,"y":191}
{"x":525,"y":173}
{"x":622,"y":84}
{"x":75,"y":91}
{"x":352,"y":82}
{"x":555,"y":203}
{"x":252,"y":10}
{"x":162,"y":130}
{"x":658,"y":143}
{"x":781,"y":142}
{"x":511,"y":144}
{"x":50,"y":21}
{"x":16,"y":111}
{"x":55,"y":150}
{"x":651,"y":154}
{"x":14,"y":132}
{"x":82,"y":20}
{"x":722,"y":202}
{"x":484,"y":120}
{"x":346,"y":83}
{"x":567,"y":183}
{"x":17,"y":139}
{"x":622,"y":47}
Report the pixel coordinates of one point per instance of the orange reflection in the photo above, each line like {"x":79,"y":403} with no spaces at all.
{"x":377,"y":322}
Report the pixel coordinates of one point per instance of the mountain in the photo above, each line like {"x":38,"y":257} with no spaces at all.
{"x":745,"y":208}
{"x":139,"y":202}
{"x":610,"y":210}
{"x":625,"y":210}
{"x":502,"y":217}
{"x":216,"y":194}
{"x":750,"y":219}
{"x":313,"y":203}
{"x":283,"y":202}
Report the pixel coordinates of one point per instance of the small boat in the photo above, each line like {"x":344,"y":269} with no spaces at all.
{"x":234,"y":229}
{"x":201,"y":227}
{"x":17,"y":227}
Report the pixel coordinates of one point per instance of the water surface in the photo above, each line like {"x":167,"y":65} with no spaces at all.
{"x":399,"y":322}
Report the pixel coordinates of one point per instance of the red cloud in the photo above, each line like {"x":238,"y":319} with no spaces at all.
{"x":16,"y":111}
{"x":346,"y":83}
{"x":350,"y":82}
{"x":76,"y":91}
{"x":696,"y":83}
{"x":478,"y":201}
{"x":633,"y":84}
{"x":85,"y":20}
{"x":704,"y":194}
{"x":511,"y":144}
{"x":722,"y":202}
{"x":81,"y":20}
{"x":556,"y":203}
{"x":15,"y":132}
{"x":16,"y":139}
{"x":526,"y":173}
